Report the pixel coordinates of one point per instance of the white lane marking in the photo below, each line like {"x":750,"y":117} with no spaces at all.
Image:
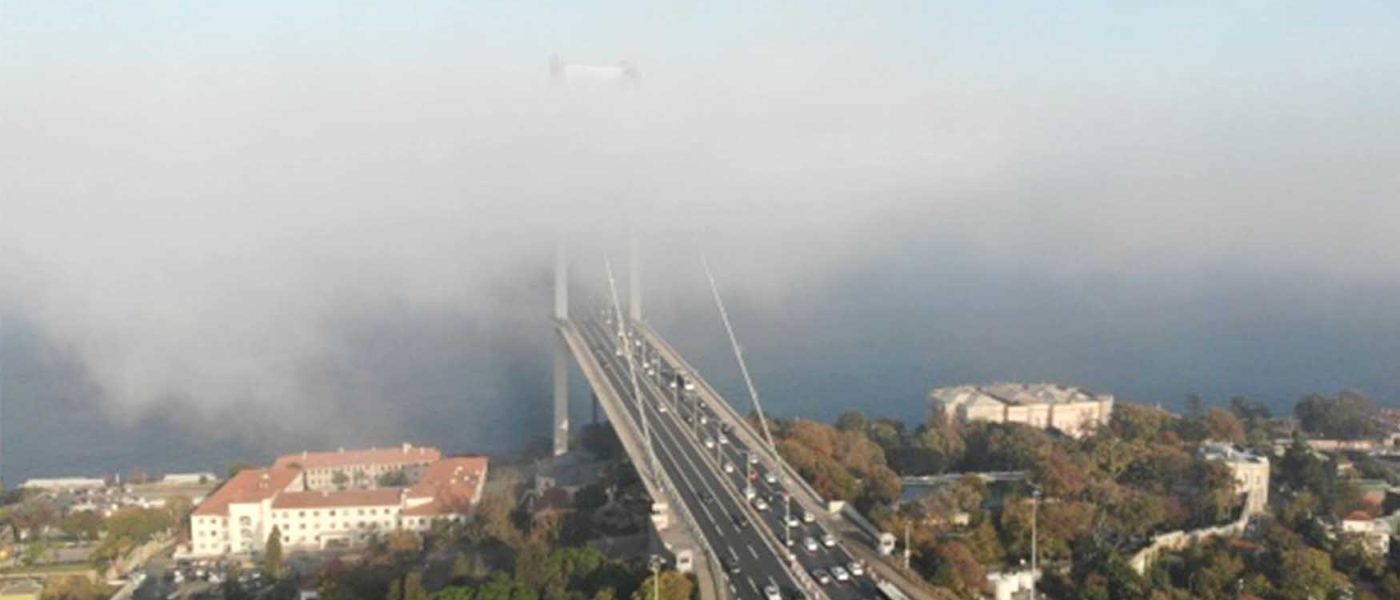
{"x":751,"y":550}
{"x":667,"y":433}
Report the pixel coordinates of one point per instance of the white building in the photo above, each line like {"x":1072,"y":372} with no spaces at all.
{"x":188,"y":478}
{"x":1012,"y":585}
{"x":1070,"y":410}
{"x":1251,"y":473}
{"x":1375,"y":533}
{"x":62,"y":484}
{"x":239,"y":517}
{"x":358,"y":468}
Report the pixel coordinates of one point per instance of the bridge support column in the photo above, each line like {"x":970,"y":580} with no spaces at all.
{"x":561,"y":355}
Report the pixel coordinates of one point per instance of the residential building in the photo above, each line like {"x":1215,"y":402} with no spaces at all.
{"x":1012,"y":585}
{"x":1070,"y":410}
{"x":239,"y":517}
{"x":1375,"y":533}
{"x":1250,"y":470}
{"x":358,"y":468}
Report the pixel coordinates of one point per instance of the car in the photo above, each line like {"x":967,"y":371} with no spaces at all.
{"x":661,"y":407}
{"x":770,"y":592}
{"x":856,"y":568}
{"x":839,"y":572}
{"x":687,"y":419}
{"x":821,"y":576}
{"x":809,"y":543}
{"x":760,"y":504}
{"x":723,"y":439}
{"x":828,"y":540}
{"x":709,"y":442}
{"x":689,"y":385}
{"x":749,"y":492}
{"x":706,"y":497}
{"x":724,"y":428}
{"x":730,"y":565}
{"x":617,"y":352}
{"x":753,"y":458}
{"x":808,"y":517}
{"x":770,"y":477}
{"x":728,"y":467}
{"x":704,"y":419}
{"x":791,"y":521}
{"x":740,"y":520}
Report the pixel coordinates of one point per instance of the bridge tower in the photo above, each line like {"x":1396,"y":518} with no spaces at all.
{"x":561,"y":353}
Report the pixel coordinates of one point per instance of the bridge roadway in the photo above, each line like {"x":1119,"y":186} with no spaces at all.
{"x":681,"y":422}
{"x":713,"y":504}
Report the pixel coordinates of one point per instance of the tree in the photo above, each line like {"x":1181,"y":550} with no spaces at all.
{"x":339,"y":479}
{"x":236,"y":467}
{"x":272,"y":554}
{"x":1349,"y":415}
{"x":413,"y":587}
{"x":1137,"y":422}
{"x":674,"y":586}
{"x":1250,"y":410}
{"x":1222,"y":425}
{"x":393,"y":479}
{"x":852,"y":420}
{"x":81,"y":524}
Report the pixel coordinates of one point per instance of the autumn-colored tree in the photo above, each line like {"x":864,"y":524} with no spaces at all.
{"x":673,"y":586}
{"x":1223,"y":426}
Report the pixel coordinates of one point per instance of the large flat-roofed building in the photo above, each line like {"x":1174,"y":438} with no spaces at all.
{"x":1070,"y":410}
{"x":358,"y":468}
{"x":239,"y":517}
{"x":64,"y":484}
{"x":1251,"y":473}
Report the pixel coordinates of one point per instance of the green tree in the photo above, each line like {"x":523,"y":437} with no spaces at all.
{"x":1349,"y":415}
{"x":852,"y":420}
{"x":339,"y":479}
{"x":393,"y":479}
{"x":413,"y":587}
{"x":81,"y":524}
{"x":238,"y":467}
{"x":272,"y":554}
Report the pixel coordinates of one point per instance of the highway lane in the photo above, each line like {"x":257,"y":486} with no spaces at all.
{"x":734,"y":452}
{"x":658,"y":391}
{"x":743,"y":545}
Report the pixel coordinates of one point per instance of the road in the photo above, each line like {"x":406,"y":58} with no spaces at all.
{"x":712,"y":476}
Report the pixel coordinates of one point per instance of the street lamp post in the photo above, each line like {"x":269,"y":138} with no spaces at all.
{"x":655,"y":563}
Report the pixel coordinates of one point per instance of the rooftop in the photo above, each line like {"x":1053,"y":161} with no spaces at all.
{"x":1229,"y":453}
{"x":328,"y":499}
{"x":249,"y":485}
{"x":450,"y":485}
{"x":1022,"y":394}
{"x":405,"y":454}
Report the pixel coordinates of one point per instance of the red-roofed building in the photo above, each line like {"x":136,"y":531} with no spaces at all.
{"x":360,"y":468}
{"x":239,"y":516}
